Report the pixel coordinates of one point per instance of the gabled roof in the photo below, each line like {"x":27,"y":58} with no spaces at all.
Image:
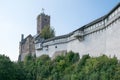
{"x":24,"y":40}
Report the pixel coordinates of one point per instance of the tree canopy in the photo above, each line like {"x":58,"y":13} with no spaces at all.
{"x":47,"y":32}
{"x":63,"y":67}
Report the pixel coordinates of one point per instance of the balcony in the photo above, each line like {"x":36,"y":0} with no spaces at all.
{"x":38,"y":46}
{"x":79,"y":35}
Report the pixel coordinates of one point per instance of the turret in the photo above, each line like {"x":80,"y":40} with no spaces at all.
{"x":22,"y":37}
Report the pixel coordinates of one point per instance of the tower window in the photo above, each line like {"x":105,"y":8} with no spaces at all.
{"x":45,"y":19}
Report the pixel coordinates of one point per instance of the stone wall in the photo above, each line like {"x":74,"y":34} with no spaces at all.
{"x":42,"y":21}
{"x":106,"y":41}
{"x":99,"y":37}
{"x":26,"y":46}
{"x":103,"y":41}
{"x":52,"y":47}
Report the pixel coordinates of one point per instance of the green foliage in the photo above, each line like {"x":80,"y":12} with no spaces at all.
{"x":7,"y":71}
{"x":20,"y":72}
{"x":43,"y":67}
{"x":72,"y":57}
{"x":30,"y":67}
{"x":64,"y":67}
{"x":47,"y":32}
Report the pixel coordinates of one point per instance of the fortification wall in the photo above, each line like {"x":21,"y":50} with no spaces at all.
{"x":99,"y":37}
{"x":104,"y":40}
{"x":52,"y":47}
{"x":113,"y":40}
{"x":92,"y":44}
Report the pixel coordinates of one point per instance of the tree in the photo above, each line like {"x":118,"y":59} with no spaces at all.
{"x":72,"y":57}
{"x":7,"y":71}
{"x":43,"y":67}
{"x":47,"y":32}
{"x":30,"y":67}
{"x":20,"y":72}
{"x":63,"y":67}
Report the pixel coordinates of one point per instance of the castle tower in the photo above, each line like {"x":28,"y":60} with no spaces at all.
{"x":26,"y":46}
{"x":42,"y":21}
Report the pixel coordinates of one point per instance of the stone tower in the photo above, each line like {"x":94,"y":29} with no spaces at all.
{"x":42,"y":21}
{"x":26,"y":46}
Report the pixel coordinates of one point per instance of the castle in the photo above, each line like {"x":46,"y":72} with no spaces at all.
{"x":98,"y":37}
{"x":27,"y":45}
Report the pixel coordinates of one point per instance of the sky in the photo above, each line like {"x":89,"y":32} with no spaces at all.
{"x":19,"y":17}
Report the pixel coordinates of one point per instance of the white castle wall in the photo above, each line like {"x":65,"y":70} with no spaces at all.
{"x":113,"y":40}
{"x":92,"y":44}
{"x":106,"y":41}
{"x":101,"y":38}
{"x":52,"y":47}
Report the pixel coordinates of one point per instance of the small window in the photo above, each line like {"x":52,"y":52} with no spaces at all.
{"x":55,"y":46}
{"x":45,"y":19}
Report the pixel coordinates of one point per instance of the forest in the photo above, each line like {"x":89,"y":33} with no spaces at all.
{"x":64,"y":67}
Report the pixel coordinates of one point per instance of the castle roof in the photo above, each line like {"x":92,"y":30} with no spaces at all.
{"x":24,"y":40}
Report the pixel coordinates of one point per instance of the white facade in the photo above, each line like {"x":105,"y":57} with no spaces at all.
{"x":51,"y":47}
{"x":101,"y":36}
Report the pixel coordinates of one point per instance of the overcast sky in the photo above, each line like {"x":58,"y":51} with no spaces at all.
{"x":19,"y":17}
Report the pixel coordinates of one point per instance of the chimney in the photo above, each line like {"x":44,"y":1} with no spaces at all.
{"x":22,"y":37}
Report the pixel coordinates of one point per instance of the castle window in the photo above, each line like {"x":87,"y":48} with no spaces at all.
{"x":105,"y":20}
{"x":55,"y":46}
{"x":116,"y":12}
{"x":102,"y":22}
{"x":45,"y":19}
{"x":46,"y":47}
{"x":91,"y":27}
